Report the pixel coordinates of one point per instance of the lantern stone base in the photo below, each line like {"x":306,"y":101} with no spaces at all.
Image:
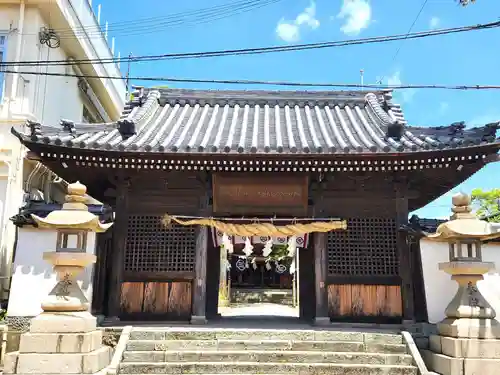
{"x":60,"y":343}
{"x":461,"y":356}
{"x":465,"y":347}
{"x":470,"y":328}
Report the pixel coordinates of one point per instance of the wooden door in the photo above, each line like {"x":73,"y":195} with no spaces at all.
{"x":363,"y":272}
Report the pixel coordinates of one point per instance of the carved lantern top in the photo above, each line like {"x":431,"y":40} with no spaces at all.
{"x":464,"y":224}
{"x":74,"y":213}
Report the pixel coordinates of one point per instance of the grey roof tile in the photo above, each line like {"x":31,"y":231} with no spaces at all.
{"x":262,"y":122}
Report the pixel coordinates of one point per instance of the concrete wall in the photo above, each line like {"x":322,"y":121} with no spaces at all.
{"x":33,"y":278}
{"x":46,"y":98}
{"x":440,"y":289}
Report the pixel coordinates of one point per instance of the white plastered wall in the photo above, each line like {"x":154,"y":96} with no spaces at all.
{"x":33,"y":278}
{"x":440,"y":289}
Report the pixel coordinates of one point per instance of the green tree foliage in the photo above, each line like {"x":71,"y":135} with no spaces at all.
{"x":466,"y":2}
{"x":487,"y":203}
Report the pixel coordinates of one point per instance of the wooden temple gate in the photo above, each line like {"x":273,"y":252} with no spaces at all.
{"x":347,"y":275}
{"x":347,"y":155}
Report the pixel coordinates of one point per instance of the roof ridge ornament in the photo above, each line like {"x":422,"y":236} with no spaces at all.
{"x":35,"y":129}
{"x":68,"y":125}
{"x":395,"y":130}
{"x":126,"y":127}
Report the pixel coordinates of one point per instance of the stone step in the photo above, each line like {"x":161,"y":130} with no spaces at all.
{"x":275,"y":345}
{"x":263,"y":356}
{"x":263,"y":335}
{"x":264,"y":368}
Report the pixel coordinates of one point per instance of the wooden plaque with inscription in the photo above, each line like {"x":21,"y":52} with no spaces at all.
{"x":260,"y":194}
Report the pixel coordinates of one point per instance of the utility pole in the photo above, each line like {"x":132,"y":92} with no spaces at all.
{"x":129,"y":63}
{"x":361,"y":74}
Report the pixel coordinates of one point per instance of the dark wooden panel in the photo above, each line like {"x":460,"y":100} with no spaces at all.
{"x":151,"y":247}
{"x":132,"y":297}
{"x":307,"y":288}
{"x":367,"y":248}
{"x":260,"y":193}
{"x":213,"y":273}
{"x":354,"y":301}
{"x":158,"y":276}
{"x":179,"y":299}
{"x":168,"y":300}
{"x":364,"y":280}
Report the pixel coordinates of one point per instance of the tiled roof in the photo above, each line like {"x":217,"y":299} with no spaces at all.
{"x":236,"y":122}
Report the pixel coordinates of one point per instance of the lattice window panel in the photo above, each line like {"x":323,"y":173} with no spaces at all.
{"x":151,"y":247}
{"x":367,"y":248}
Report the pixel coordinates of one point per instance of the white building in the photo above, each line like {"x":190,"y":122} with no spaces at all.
{"x":41,"y":30}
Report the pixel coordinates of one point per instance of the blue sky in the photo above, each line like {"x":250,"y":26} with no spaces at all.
{"x":467,"y":58}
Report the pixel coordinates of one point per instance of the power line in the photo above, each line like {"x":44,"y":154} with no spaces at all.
{"x":272,"y":83}
{"x":408,"y":33}
{"x":152,"y":22}
{"x":261,"y":50}
{"x":206,"y":16}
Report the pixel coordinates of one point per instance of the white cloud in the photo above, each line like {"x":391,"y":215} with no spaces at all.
{"x":406,"y":94}
{"x":443,"y":107}
{"x":289,"y":31}
{"x":434,"y":23}
{"x":356,"y":14}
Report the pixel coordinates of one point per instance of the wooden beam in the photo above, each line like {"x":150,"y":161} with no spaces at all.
{"x":119,"y":241}
{"x":404,"y":253}
{"x":320,"y":268}
{"x":200,"y":281}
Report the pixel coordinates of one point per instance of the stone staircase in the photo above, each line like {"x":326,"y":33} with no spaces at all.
{"x":264,"y":351}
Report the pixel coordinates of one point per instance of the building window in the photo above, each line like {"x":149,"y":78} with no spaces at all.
{"x":3,"y":49}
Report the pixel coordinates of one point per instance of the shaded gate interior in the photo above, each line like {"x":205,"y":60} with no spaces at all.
{"x":363,"y":271}
{"x":306,"y":288}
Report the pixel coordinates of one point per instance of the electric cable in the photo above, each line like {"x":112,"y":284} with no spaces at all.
{"x":206,"y":17}
{"x":404,"y":39}
{"x":262,"y":50}
{"x":150,"y":22}
{"x":272,"y":83}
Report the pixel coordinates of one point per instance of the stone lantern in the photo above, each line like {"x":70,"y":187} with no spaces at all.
{"x":467,"y":340}
{"x":64,"y":339}
{"x":73,"y":223}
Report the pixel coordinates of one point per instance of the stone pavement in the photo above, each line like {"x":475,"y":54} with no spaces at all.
{"x":259,"y":309}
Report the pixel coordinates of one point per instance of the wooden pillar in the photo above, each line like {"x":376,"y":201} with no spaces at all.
{"x":119,"y":239}
{"x":200,"y":281}
{"x":223,"y":282}
{"x":404,"y":256}
{"x":320,"y":270}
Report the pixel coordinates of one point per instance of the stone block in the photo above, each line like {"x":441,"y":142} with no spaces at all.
{"x":198,"y":320}
{"x":69,"y":363}
{"x":74,"y":322}
{"x":10,"y":363}
{"x":60,"y":343}
{"x":97,"y":360}
{"x":383,"y":338}
{"x":322,"y":321}
{"x":470,"y":348}
{"x":481,"y":366}
{"x":435,"y":344}
{"x":264,"y":368}
{"x":470,"y":328}
{"x":443,"y":364}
